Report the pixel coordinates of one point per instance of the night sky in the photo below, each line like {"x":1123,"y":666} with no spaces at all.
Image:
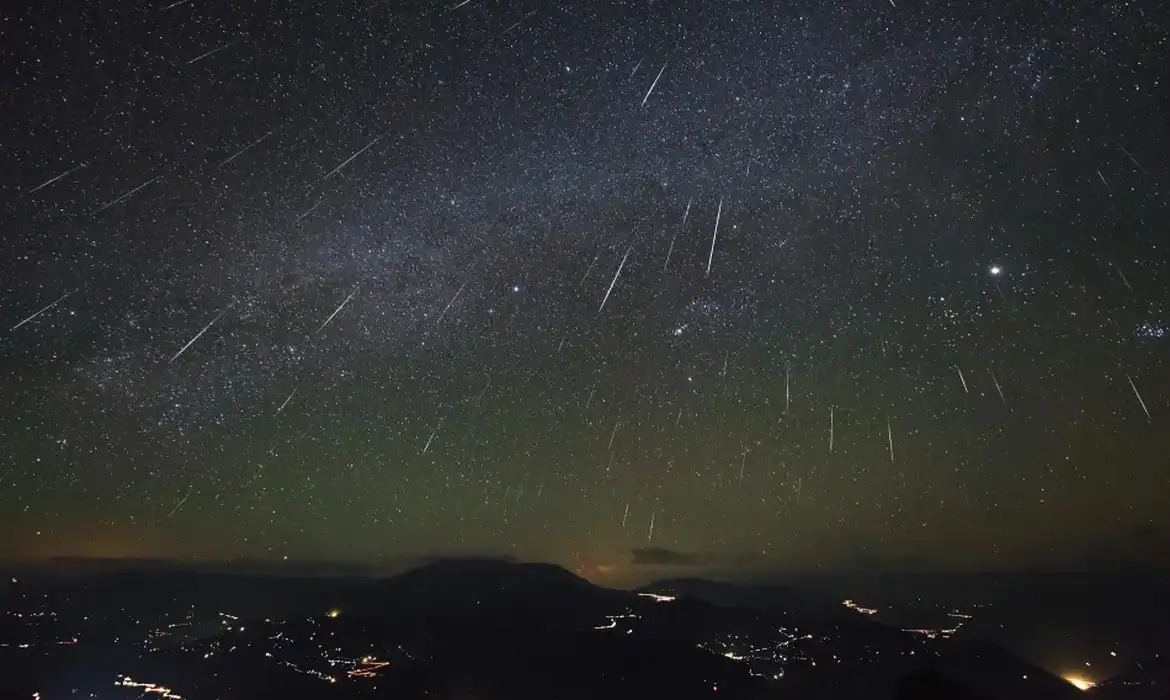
{"x":739,"y":285}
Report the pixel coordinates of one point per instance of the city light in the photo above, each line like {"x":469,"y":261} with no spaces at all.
{"x":1080,"y":682}
{"x":369,"y":668}
{"x":657,"y":598}
{"x":854,"y":606}
{"x":166,"y":693}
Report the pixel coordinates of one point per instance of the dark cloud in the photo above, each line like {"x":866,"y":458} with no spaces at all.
{"x":657,"y":556}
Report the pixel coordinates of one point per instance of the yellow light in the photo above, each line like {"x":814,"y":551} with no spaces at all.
{"x":1080,"y":682}
{"x":334,"y":613}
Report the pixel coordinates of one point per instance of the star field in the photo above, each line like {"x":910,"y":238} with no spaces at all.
{"x":792,"y":285}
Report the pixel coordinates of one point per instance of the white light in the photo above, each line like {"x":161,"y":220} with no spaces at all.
{"x":1080,"y":682}
{"x":995,"y":270}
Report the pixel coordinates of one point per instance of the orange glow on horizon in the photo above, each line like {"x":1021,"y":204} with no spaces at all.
{"x":1079,"y":682}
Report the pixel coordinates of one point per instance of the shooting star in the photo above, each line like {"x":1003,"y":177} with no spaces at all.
{"x":43,"y":310}
{"x":479,"y":399}
{"x":126,"y":196}
{"x":714,"y":236}
{"x":180,"y":505}
{"x":668,"y":253}
{"x":962,"y":379}
{"x":615,"y":279}
{"x":515,"y":24}
{"x":787,"y":392}
{"x":1123,"y":279}
{"x":742,"y":464}
{"x":349,"y":160}
{"x":652,"y":517}
{"x":997,"y":388}
{"x":636,"y":67}
{"x":448,"y":306}
{"x":612,"y":435}
{"x":459,"y":5}
{"x":432,"y":437}
{"x":653,"y":85}
{"x":832,"y":423}
{"x":49,"y":182}
{"x":890,"y":437}
{"x":1110,"y":190}
{"x":589,"y":269}
{"x":212,"y":52}
{"x":339,"y":308}
{"x":625,"y":515}
{"x":688,"y":211}
{"x":290,"y":398}
{"x":197,"y":336}
{"x":1139,"y":397}
{"x":308,"y":211}
{"x":1132,"y":159}
{"x":245,"y":149}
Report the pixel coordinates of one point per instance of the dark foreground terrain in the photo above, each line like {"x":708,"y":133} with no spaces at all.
{"x":483,"y":629}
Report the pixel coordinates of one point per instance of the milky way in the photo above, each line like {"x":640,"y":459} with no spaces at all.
{"x":807,"y":284}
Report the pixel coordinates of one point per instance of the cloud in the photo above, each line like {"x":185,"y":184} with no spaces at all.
{"x":657,"y":556}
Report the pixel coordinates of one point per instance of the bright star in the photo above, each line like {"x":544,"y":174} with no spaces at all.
{"x":995,"y":270}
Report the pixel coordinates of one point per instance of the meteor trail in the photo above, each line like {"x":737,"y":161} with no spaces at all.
{"x":714,"y":236}
{"x":890,"y":437}
{"x":212,"y":52}
{"x":245,"y":149}
{"x":997,"y":388}
{"x":339,"y":308}
{"x":652,"y":85}
{"x":831,"y":427}
{"x":126,"y":196}
{"x":290,"y":398}
{"x":1139,"y":397}
{"x":351,"y":158}
{"x":180,"y":505}
{"x":43,"y":310}
{"x":668,"y":253}
{"x":198,"y":335}
{"x":615,"y":278}
{"x":448,"y":306}
{"x":787,"y":393}
{"x":64,"y":174}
